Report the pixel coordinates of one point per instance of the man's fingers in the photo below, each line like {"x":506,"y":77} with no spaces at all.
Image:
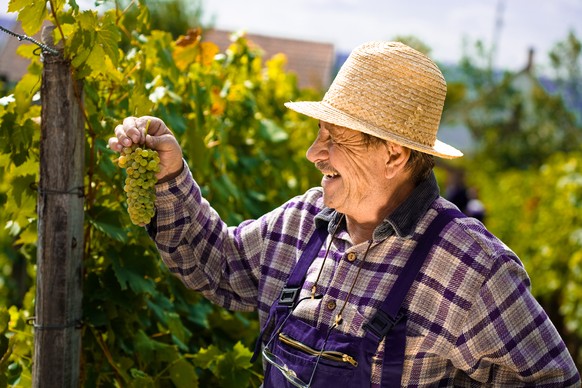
{"x":113,"y":143}
{"x":134,"y":129}
{"x":122,"y":137}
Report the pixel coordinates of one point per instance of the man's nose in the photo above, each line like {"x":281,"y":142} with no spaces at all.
{"x":317,"y":151}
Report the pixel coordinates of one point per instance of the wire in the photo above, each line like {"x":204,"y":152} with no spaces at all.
{"x":46,"y":49}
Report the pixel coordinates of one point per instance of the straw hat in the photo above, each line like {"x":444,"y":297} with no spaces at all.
{"x":390,"y":91}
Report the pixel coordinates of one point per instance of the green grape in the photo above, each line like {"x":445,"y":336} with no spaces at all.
{"x":141,"y":166}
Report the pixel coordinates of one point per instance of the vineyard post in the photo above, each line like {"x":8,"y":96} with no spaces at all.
{"x":57,"y":322}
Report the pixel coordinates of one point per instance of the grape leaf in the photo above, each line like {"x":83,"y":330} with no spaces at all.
{"x":25,"y":89}
{"x":108,"y":221}
{"x":206,"y":357}
{"x":108,"y":36}
{"x":21,"y":187}
{"x":131,"y":272}
{"x":183,"y":374}
{"x":31,"y":13}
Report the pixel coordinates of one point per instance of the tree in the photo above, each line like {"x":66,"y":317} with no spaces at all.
{"x":515,"y":122}
{"x":566,"y":59}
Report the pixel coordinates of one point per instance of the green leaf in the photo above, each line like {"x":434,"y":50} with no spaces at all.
{"x":27,"y":51}
{"x":234,"y":367}
{"x":132,"y":271}
{"x":270,"y":131}
{"x":140,"y":104}
{"x":108,"y":36}
{"x":81,"y":57}
{"x":183,"y":374}
{"x":31,"y":13}
{"x":108,"y":221}
{"x":207,"y":357}
{"x":151,"y":350}
{"x":74,"y":6}
{"x":242,"y":356}
{"x":21,"y":186}
{"x":225,"y":187}
{"x":178,"y":330}
{"x":28,"y":85}
{"x":141,"y":379}
{"x":145,"y":346}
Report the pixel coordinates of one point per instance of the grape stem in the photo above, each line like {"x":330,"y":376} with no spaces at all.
{"x":147,"y":126}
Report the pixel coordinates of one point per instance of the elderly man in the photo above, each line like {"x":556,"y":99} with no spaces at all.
{"x":372,"y":279}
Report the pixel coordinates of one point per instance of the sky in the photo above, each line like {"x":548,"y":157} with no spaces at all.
{"x":442,"y":24}
{"x":514,"y":26}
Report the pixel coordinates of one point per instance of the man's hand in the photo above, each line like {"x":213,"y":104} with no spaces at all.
{"x":158,"y":137}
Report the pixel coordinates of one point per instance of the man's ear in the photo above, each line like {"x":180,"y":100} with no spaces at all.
{"x":396,"y":158}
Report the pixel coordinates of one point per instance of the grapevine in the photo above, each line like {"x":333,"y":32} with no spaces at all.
{"x":142,"y":326}
{"x":141,"y":165}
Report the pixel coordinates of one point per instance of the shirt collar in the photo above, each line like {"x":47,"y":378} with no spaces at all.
{"x":402,"y":221}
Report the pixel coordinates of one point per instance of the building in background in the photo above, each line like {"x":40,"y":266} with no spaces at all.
{"x":12,"y":65}
{"x":313,"y":62}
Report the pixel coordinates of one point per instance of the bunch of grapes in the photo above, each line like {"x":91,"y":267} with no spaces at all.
{"x":141,"y":166}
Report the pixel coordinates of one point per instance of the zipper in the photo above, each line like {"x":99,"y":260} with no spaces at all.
{"x":327,"y":354}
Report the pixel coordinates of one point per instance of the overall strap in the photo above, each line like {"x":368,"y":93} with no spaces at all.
{"x":290,"y":292}
{"x":295,"y":281}
{"x":390,"y":313}
{"x":391,"y":305}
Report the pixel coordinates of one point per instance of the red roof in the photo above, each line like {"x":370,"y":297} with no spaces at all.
{"x":312,"y":62}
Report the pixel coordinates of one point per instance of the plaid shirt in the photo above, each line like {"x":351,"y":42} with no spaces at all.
{"x":471,"y":316}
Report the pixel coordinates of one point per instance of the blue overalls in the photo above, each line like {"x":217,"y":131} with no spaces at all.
{"x":346,"y":360}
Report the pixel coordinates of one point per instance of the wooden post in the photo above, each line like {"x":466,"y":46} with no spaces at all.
{"x":57,"y":342}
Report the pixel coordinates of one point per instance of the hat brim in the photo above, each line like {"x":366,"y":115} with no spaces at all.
{"x":320,"y":110}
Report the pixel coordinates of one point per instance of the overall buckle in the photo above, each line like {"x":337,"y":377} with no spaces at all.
{"x":289,"y":296}
{"x":381,"y":323}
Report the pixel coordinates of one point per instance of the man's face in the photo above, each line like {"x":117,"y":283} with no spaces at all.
{"x":354,"y":180}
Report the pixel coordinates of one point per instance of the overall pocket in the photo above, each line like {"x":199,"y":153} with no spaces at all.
{"x":333,"y":367}
{"x":330,"y":355}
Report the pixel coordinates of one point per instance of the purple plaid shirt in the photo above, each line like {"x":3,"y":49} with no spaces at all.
{"x":472,"y":318}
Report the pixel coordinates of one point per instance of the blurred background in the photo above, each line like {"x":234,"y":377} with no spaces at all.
{"x":511,"y":26}
{"x":218,"y":72}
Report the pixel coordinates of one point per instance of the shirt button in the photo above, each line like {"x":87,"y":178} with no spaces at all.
{"x":352,"y":256}
{"x":331,"y":305}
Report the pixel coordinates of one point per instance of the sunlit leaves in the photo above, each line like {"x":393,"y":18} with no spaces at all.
{"x":15,"y":339}
{"x":31,"y":13}
{"x":108,"y":36}
{"x":229,"y":368}
{"x":24,"y":92}
{"x":539,"y":217}
{"x":190,"y":49}
{"x":93,"y":44}
{"x":143,"y":327}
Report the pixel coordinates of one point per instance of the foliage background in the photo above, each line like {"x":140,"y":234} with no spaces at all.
{"x":141,"y":326}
